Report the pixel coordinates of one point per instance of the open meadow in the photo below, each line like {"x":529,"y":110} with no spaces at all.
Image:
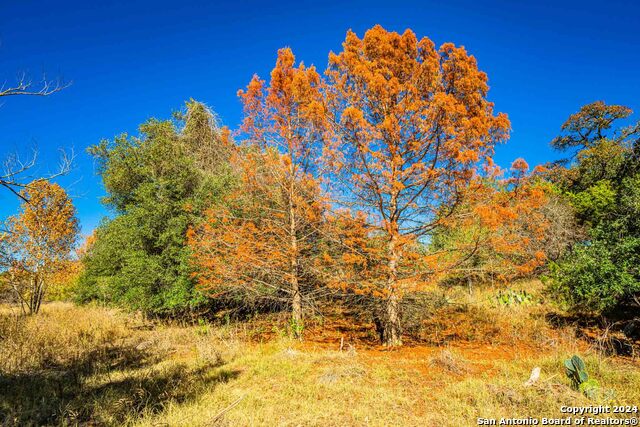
{"x":97,"y":366}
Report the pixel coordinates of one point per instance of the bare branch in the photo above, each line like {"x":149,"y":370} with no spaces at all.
{"x":24,"y":86}
{"x":15,"y":176}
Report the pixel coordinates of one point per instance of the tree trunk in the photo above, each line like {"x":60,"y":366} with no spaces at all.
{"x":32,"y":297}
{"x":41,"y":288}
{"x":392,"y":333}
{"x":296,"y":310}
{"x":296,"y":298}
{"x":392,"y":330}
{"x":18,"y":293}
{"x":37,"y":294}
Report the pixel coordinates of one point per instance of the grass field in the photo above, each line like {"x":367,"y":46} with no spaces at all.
{"x":96,"y":366}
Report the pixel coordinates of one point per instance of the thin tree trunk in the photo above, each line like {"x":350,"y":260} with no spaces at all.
{"x":296,"y":310}
{"x":392,"y":335}
{"x":41,"y":289}
{"x":36,"y":297}
{"x":392,"y":329}
{"x":296,"y":298}
{"x":32,"y":297}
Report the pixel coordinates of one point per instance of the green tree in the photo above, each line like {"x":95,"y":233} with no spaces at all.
{"x":602,"y":181}
{"x":156,"y":185}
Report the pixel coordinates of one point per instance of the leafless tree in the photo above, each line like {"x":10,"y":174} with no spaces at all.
{"x":16,"y":174}
{"x":15,"y":171}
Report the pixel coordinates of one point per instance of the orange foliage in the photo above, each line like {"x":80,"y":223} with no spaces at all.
{"x":502,"y":222}
{"x":411,"y":124}
{"x":244,"y":243}
{"x":400,"y":133}
{"x":65,"y":277}
{"x":261,"y":239}
{"x":40,"y":240}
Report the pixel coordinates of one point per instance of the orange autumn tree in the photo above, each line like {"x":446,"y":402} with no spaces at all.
{"x":64,"y":280}
{"x":501,"y":230}
{"x":262,"y":239}
{"x":412,"y":124}
{"x":39,"y":242}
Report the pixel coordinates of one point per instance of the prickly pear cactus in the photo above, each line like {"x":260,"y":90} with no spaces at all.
{"x":576,"y":371}
{"x":511,"y":297}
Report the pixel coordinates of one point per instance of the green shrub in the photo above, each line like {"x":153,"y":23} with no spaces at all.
{"x":591,"y":279}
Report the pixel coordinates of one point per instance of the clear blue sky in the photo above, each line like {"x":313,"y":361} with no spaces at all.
{"x":131,"y":60}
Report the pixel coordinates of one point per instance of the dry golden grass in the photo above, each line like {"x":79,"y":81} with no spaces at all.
{"x":96,"y":366}
{"x":73,"y":365}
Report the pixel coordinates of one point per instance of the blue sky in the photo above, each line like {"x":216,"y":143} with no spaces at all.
{"x":132,"y":60}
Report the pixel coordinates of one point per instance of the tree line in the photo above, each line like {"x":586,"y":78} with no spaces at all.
{"x":371,"y":184}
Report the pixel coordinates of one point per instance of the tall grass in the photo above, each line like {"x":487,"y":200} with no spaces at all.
{"x":73,"y":365}
{"x":95,"y":366}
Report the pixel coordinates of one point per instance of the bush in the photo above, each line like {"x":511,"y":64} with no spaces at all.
{"x":592,"y":279}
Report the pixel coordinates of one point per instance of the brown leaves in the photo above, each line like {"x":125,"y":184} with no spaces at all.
{"x":589,"y":125}
{"x":245,"y":243}
{"x":289,"y":112}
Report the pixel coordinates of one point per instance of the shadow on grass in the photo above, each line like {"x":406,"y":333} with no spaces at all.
{"x":608,"y":334}
{"x":103,"y":387}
